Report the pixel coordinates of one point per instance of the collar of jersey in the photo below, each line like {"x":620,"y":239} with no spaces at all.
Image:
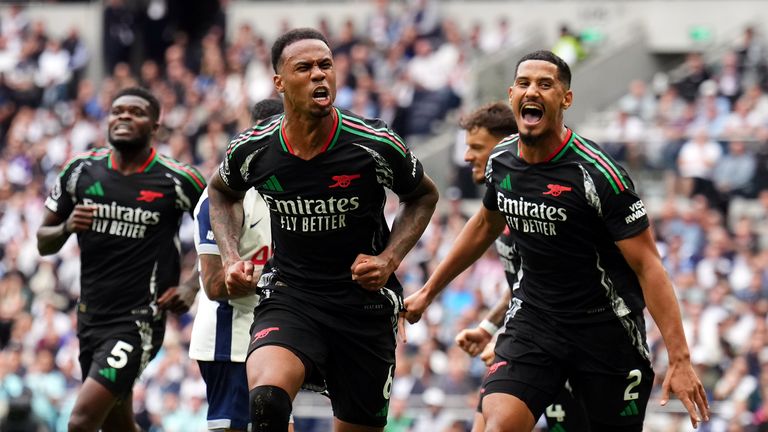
{"x":329,"y":142}
{"x":143,"y":168}
{"x":559,"y":151}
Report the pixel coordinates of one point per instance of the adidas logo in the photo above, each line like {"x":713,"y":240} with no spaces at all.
{"x":95,"y":189}
{"x":108,"y":373}
{"x":629,"y":410}
{"x":557,"y":428}
{"x":506,"y":184}
{"x":271,"y":185}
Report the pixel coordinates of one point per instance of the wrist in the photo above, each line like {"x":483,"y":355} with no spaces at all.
{"x":488,"y":327}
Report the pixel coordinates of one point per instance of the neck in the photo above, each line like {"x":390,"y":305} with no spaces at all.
{"x":308,"y":135}
{"x":542,"y":148}
{"x":130,"y":161}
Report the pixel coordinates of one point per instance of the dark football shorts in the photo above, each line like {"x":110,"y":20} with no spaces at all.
{"x":115,"y":353}
{"x":605,"y":364}
{"x":565,"y":411}
{"x":352,"y":355}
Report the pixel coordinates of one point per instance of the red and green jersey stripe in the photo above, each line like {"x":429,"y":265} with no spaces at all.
{"x":597,"y":158}
{"x":93,"y":154}
{"x":254,"y":134}
{"x":384,"y":135}
{"x":185,"y":171}
{"x":330,"y":141}
{"x":151,"y":159}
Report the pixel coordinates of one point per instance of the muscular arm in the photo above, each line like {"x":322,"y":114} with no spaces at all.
{"x":226,"y":217}
{"x":475,"y":340}
{"x":212,"y":273}
{"x":52,"y":234}
{"x":641,"y":254}
{"x":226,"y":222}
{"x":475,"y":238}
{"x":412,"y":219}
{"x":499,"y":310}
{"x":55,"y":231}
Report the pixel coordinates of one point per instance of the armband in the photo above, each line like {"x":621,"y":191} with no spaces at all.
{"x":488,"y":326}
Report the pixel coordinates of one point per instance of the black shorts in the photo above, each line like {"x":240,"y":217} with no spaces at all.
{"x":352,"y":355}
{"x":605,"y":363}
{"x":115,"y":353}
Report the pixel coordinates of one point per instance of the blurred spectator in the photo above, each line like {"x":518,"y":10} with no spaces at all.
{"x":568,"y":46}
{"x":695,"y":72}
{"x":495,"y":39}
{"x":696,"y":162}
{"x":638,"y":102}
{"x":435,"y":418}
{"x":734,"y":172}
{"x":119,"y":25}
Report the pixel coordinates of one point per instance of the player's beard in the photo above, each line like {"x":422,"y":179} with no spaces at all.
{"x":530,"y":140}
{"x":128,"y":145}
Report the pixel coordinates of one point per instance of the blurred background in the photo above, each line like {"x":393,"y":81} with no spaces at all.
{"x":675,"y":89}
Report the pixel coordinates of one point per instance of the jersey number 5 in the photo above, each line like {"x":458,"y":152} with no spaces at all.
{"x":119,"y":354}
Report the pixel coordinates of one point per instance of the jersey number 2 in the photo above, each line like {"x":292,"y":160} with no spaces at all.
{"x":638,"y":376}
{"x":119,"y":354}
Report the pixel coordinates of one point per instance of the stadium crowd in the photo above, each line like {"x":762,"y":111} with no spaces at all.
{"x":708,"y":131}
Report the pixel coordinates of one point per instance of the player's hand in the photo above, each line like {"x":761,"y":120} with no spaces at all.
{"x":472,"y":341}
{"x":371,"y":272}
{"x":177,"y":299}
{"x":683,"y":382}
{"x":240,"y":279}
{"x":415,"y":305}
{"x":488,"y":354}
{"x":80,"y":219}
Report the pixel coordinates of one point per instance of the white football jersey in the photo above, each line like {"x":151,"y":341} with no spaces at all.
{"x":221,"y":331}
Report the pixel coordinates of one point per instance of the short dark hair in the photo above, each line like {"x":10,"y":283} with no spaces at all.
{"x":563,"y":71}
{"x":266,"y":108}
{"x":290,"y":37}
{"x":497,"y":117}
{"x":154,"y":104}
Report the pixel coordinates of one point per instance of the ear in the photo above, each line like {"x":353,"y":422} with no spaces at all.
{"x":278,"y":81}
{"x":509,"y":95}
{"x":567,"y":99}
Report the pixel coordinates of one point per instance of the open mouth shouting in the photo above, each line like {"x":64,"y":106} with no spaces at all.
{"x":531,"y":113}
{"x":322,"y":96}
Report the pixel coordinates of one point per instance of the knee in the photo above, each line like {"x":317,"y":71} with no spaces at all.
{"x":270,"y":408}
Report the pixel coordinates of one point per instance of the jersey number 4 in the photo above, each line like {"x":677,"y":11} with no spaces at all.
{"x":261,"y":256}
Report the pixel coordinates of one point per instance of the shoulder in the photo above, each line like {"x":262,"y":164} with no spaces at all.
{"x":256,"y":135}
{"x":601,"y":166}
{"x":182,"y":171}
{"x":376,"y":133}
{"x":91,"y":155}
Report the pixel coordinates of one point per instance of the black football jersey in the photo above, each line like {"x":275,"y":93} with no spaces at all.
{"x":326,"y":210}
{"x":564,"y":216}
{"x":131,"y":254}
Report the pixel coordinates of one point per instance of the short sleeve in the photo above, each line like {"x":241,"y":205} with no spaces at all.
{"x":624,"y":212}
{"x":235,"y":163}
{"x":205,"y":242}
{"x":61,"y":199}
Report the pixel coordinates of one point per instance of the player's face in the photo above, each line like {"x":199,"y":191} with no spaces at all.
{"x":130,"y":122}
{"x":538,"y":98}
{"x":480,"y":142}
{"x":307,"y":77}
